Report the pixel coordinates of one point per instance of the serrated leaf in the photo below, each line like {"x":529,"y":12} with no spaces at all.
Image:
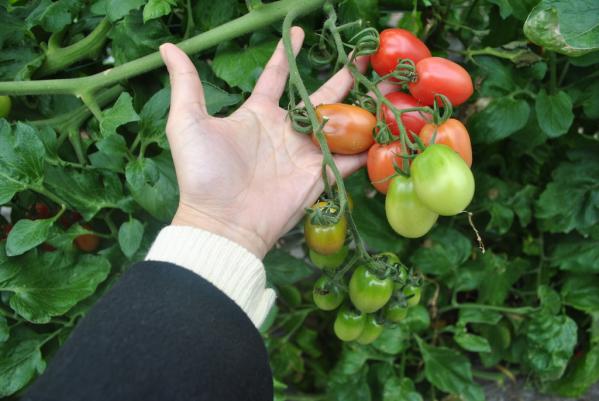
{"x":4,"y":332}
{"x":283,"y":269}
{"x":472,"y":342}
{"x":554,"y":113}
{"x":214,"y":13}
{"x":20,"y":360}
{"x":473,"y":315}
{"x":157,"y":8}
{"x":27,"y":234}
{"x":581,"y":291}
{"x":393,"y":340}
{"x":503,"y":117}
{"x":582,"y":373}
{"x":54,"y":16}
{"x":130,"y":235}
{"x":444,"y":252}
{"x":122,"y":112}
{"x":217,"y":99}
{"x":577,"y":255}
{"x":153,"y":116}
{"x":117,"y":9}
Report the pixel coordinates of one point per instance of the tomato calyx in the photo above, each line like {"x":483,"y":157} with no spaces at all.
{"x":324,"y":213}
{"x":366,"y":42}
{"x":300,"y":120}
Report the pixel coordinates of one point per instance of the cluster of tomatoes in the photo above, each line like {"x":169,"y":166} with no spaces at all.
{"x":422,"y":165}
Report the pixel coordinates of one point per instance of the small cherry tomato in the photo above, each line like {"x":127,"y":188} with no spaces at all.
{"x":87,"y":242}
{"x":395,"y":312}
{"x":349,"y":324}
{"x":329,"y":261}
{"x":412,"y":294}
{"x":42,"y":211}
{"x":396,"y":44}
{"x":326,"y":294}
{"x":413,"y":121}
{"x":380,"y":164}
{"x":451,"y":133}
{"x":436,"y":75}
{"x":372,"y":330}
{"x":442,"y":180}
{"x":406,"y":213}
{"x":5,"y":106}
{"x":367,"y":291}
{"x":348,"y":129}
{"x":325,"y":239}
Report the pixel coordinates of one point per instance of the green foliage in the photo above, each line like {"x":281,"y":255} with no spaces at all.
{"x":528,"y":304}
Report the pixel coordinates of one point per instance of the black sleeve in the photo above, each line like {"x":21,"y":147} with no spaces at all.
{"x":162,"y":333}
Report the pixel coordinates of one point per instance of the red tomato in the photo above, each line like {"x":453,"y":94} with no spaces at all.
{"x":413,"y":121}
{"x":380,"y":164}
{"x":436,"y":75}
{"x":396,"y":44}
{"x":5,"y":230}
{"x":348,"y":129}
{"x":87,"y":242}
{"x":42,"y":211}
{"x":451,"y":133}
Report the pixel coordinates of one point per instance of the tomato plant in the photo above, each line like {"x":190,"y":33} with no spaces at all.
{"x":396,"y":44}
{"x":451,"y":133}
{"x":348,"y":129}
{"x":436,"y":75}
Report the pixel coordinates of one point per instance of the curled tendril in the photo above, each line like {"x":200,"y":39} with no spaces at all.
{"x":366,"y":42}
{"x":405,"y":71}
{"x":323,"y":53}
{"x":438,"y":117}
{"x":300,"y":121}
{"x":366,"y":102}
{"x":383,"y":133}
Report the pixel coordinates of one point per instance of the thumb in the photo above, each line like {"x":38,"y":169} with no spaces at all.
{"x":187,"y":94}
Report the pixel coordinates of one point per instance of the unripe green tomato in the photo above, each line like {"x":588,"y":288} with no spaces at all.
{"x":395,"y":312}
{"x":349,"y":324}
{"x":442,"y":180}
{"x":412,"y":294}
{"x":406,"y":213}
{"x":326,"y":294}
{"x":325,"y":239}
{"x":367,"y":291}
{"x":372,"y":330}
{"x":5,"y":105}
{"x":329,"y":261}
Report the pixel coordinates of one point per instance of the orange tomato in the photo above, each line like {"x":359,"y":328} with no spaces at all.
{"x":451,"y":133}
{"x":380,"y":164}
{"x":348,"y":129}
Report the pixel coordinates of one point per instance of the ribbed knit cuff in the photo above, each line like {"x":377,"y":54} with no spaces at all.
{"x":229,"y":266}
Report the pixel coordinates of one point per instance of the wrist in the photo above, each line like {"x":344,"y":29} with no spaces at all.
{"x":192,"y":217}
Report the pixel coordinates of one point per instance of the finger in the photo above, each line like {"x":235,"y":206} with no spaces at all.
{"x":337,"y":88}
{"x":350,"y":164}
{"x":387,"y":87}
{"x":187,"y":93}
{"x":271,"y":83}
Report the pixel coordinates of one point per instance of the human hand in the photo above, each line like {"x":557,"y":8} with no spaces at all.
{"x":247,"y":177}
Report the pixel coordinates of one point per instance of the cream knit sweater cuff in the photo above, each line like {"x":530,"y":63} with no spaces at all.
{"x":230,"y":267}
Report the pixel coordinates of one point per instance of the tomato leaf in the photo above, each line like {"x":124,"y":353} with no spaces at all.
{"x":4,"y":334}
{"x":117,"y":9}
{"x":554,"y":113}
{"x":503,"y":117}
{"x":157,"y":8}
{"x":121,"y":113}
{"x":217,"y":99}
{"x":27,"y":234}
{"x":393,"y":340}
{"x":396,"y":389}
{"x":283,"y":269}
{"x":54,"y":16}
{"x":582,"y":373}
{"x":576,"y":254}
{"x":581,"y":291}
{"x":130,"y":235}
{"x":20,"y":360}
{"x":473,"y":315}
{"x":472,"y":342}
{"x":444,"y":251}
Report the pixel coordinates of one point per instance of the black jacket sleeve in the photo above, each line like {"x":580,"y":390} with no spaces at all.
{"x":162,"y":333}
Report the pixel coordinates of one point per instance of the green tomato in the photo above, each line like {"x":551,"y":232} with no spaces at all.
{"x":442,"y":180}
{"x":325,"y":239}
{"x":372,"y":330}
{"x":5,"y":104}
{"x":395,"y":312}
{"x":326,"y":294}
{"x":406,"y":213}
{"x":329,"y":261}
{"x":367,"y":291}
{"x":412,"y":294}
{"x":389,"y":258}
{"x":418,"y":319}
{"x":349,"y":324}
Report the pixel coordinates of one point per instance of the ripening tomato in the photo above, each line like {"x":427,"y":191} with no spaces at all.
{"x":380,"y":164}
{"x":372,"y":330}
{"x":329,"y":261}
{"x":5,"y":105}
{"x":348,"y":129}
{"x":326,"y":294}
{"x":396,"y":44}
{"x":437,"y":75}
{"x":451,"y":133}
{"x":413,"y":121}
{"x":87,"y":242}
{"x":442,"y":180}
{"x":5,"y":231}
{"x":367,"y":291}
{"x":325,"y":239}
{"x":406,"y":213}
{"x":412,"y":294}
{"x":396,"y":312}
{"x":349,"y":324}
{"x":42,"y":211}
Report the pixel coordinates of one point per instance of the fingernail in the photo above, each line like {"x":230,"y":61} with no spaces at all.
{"x":164,"y":52}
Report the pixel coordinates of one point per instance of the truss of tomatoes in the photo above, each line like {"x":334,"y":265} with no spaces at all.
{"x":439,"y":182}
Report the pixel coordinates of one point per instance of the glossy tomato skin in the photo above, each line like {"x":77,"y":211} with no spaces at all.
{"x":5,"y":106}
{"x":395,"y":312}
{"x":406,"y":213}
{"x":436,"y":75}
{"x":349,"y":324}
{"x":413,"y":121}
{"x":348,"y":129}
{"x":87,"y":242}
{"x":451,"y":133}
{"x":329,"y":261}
{"x":367,"y":291}
{"x":380,"y":164}
{"x":412,"y":294}
{"x":42,"y":211}
{"x":325,"y":239}
{"x":326,"y":294}
{"x":396,"y":44}
{"x":372,"y":330}
{"x":442,"y":180}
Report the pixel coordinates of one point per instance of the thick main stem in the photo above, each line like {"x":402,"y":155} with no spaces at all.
{"x":253,"y":21}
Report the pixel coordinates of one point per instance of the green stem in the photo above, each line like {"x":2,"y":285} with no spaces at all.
{"x":190,"y":24}
{"x":524,"y":310}
{"x":251,"y":22}
{"x":58,"y":58}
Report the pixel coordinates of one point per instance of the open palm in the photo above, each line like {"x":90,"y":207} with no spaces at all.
{"x":247,"y":177}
